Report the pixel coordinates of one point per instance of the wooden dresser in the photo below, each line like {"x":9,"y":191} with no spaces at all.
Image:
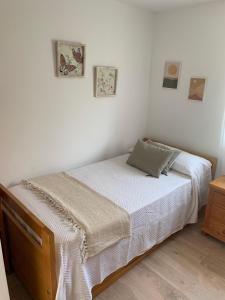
{"x":215,"y":212}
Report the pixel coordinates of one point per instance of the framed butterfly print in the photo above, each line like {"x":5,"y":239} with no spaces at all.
{"x":70,"y":59}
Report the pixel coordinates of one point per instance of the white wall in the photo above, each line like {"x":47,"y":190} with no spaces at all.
{"x":194,"y":36}
{"x":49,"y":124}
{"x":3,"y":282}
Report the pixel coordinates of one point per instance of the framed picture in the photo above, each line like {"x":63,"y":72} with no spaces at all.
{"x":105,"y":81}
{"x":171,"y":75}
{"x":197,"y":88}
{"x":70,"y":59}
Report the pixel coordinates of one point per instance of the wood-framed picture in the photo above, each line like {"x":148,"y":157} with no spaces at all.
{"x":171,"y":76}
{"x":70,"y":58}
{"x":105,"y":81}
{"x":197,"y":88}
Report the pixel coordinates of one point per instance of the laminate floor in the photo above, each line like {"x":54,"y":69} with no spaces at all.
{"x":188,"y":266}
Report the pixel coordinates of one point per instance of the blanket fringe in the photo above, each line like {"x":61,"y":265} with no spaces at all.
{"x":64,"y":213}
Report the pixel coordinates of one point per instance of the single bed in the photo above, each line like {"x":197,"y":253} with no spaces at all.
{"x":45,"y":252}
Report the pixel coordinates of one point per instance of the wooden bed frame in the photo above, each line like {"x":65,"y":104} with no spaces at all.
{"x":29,"y":250}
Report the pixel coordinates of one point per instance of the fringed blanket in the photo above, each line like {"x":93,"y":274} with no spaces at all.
{"x":100,"y":221}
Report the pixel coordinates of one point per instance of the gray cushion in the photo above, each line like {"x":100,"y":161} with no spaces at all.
{"x":176,"y":152}
{"x":149,"y":158}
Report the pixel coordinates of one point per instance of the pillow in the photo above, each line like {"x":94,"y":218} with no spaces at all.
{"x":190,"y":164}
{"x":149,"y":158}
{"x":175,"y":154}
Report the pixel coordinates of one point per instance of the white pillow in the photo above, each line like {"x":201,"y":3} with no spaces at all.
{"x":199,"y":169}
{"x":190,"y":164}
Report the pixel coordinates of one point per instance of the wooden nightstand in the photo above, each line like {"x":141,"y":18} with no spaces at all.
{"x":215,"y":212}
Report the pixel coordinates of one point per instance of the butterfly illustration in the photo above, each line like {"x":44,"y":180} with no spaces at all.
{"x":65,"y":66}
{"x":78,"y":55}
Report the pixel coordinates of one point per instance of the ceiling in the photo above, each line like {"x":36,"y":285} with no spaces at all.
{"x":162,"y":5}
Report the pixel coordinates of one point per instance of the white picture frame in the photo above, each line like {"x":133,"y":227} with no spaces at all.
{"x":70,"y":59}
{"x":105,"y":81}
{"x":197,"y":88}
{"x":171,"y":74}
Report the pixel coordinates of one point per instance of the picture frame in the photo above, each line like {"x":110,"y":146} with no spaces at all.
{"x":105,"y":81}
{"x":70,"y":59}
{"x":197,"y":88}
{"x":171,"y":75}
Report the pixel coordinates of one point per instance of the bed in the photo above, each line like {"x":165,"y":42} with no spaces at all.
{"x":44,"y":252}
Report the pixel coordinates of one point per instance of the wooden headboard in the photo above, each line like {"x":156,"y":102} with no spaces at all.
{"x":210,"y":158}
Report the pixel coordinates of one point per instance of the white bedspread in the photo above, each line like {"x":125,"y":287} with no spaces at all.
{"x":157,"y":207}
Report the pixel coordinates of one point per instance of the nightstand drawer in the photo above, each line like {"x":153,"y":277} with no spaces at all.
{"x":218,"y":199}
{"x":217,"y":230}
{"x":217,"y":214}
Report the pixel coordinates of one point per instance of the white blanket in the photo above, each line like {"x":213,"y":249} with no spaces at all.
{"x":157,"y":207}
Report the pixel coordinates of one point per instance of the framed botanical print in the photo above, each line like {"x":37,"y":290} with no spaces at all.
{"x":70,"y":59}
{"x":105,"y":81}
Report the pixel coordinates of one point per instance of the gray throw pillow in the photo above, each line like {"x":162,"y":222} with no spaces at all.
{"x":173,"y":157}
{"x":149,"y":158}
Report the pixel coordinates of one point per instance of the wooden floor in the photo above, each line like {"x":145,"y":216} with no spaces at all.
{"x":188,"y":266}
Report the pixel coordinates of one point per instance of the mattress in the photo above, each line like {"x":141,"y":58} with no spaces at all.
{"x":157,"y":208}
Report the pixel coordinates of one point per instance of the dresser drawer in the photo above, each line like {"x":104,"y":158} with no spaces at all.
{"x":217,"y":230}
{"x":218,"y":199}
